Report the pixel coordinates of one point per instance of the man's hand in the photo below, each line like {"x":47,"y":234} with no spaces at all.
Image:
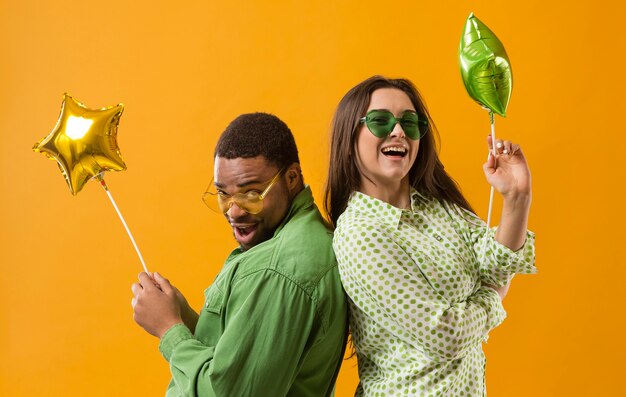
{"x":189,"y":316}
{"x":155,"y":305}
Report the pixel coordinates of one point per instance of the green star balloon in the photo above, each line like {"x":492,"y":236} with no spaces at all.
{"x":485,"y":67}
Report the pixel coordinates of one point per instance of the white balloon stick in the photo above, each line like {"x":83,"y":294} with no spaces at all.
{"x":493,"y":147}
{"x":106,"y":189}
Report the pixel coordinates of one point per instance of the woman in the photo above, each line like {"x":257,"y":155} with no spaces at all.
{"x":424,"y":276}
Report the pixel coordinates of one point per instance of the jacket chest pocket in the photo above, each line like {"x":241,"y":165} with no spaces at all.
{"x":213,"y":300}
{"x":210,"y":325}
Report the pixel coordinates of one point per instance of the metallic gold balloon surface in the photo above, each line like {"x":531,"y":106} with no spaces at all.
{"x":83,"y":142}
{"x":485,"y":66}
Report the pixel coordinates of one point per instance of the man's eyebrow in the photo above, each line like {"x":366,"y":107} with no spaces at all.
{"x":241,"y":185}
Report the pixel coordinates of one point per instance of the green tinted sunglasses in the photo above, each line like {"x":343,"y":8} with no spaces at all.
{"x":382,"y":122}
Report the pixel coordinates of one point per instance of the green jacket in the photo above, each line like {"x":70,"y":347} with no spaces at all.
{"x":274,"y":322}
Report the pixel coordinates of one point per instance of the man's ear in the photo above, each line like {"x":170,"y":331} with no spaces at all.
{"x":293,"y":175}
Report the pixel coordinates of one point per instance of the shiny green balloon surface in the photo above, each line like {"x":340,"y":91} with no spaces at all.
{"x":485,"y":66}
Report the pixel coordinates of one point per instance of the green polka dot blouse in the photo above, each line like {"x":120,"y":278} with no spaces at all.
{"x":418,"y":310}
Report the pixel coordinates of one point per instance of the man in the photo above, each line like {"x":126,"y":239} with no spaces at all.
{"x":274,"y":320}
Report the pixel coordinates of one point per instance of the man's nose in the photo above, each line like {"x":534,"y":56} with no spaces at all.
{"x":235,"y":211}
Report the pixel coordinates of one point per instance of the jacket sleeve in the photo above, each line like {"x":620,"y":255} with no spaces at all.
{"x":391,"y":288}
{"x":270,"y":327}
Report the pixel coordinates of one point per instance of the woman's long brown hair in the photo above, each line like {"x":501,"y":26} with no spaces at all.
{"x":427,"y":174}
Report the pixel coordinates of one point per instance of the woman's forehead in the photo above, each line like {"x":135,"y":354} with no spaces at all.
{"x":392,"y":99}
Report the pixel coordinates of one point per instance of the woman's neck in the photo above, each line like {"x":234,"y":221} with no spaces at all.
{"x":396,"y":193}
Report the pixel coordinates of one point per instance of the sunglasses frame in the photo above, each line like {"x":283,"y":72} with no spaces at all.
{"x":225,"y":204}
{"x":382,"y":129}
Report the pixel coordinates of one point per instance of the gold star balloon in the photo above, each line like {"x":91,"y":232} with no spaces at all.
{"x":84,"y":142}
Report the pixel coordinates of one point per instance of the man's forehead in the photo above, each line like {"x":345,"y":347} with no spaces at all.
{"x":241,"y":171}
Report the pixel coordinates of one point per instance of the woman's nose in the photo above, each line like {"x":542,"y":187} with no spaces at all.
{"x":397,"y":131}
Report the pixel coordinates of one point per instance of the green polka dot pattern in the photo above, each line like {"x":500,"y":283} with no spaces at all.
{"x":418,"y":310}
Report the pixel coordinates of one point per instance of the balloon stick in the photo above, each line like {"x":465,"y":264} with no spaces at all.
{"x":100,"y":178}
{"x":493,"y":147}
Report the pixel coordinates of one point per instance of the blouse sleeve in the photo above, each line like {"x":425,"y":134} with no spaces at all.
{"x":497,"y":263}
{"x":392,"y":289}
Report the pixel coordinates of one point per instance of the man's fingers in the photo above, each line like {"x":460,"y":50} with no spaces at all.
{"x":163,"y":283}
{"x":136,"y":288}
{"x":146,"y":281}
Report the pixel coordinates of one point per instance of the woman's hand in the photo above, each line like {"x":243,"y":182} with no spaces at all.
{"x":508,"y":172}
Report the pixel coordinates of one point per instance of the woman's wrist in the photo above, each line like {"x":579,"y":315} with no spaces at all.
{"x":517,"y":201}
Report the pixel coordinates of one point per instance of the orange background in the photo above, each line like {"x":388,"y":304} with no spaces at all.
{"x":185,"y":69}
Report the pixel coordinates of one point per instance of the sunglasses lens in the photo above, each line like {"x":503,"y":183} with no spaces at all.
{"x":211,"y":201}
{"x":250,"y":202}
{"x":380,"y":122}
{"x":223,"y":203}
{"x":410,"y":125}
{"x":251,"y":206}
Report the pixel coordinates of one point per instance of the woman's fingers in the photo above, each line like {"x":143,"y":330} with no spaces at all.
{"x":502,"y":146}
